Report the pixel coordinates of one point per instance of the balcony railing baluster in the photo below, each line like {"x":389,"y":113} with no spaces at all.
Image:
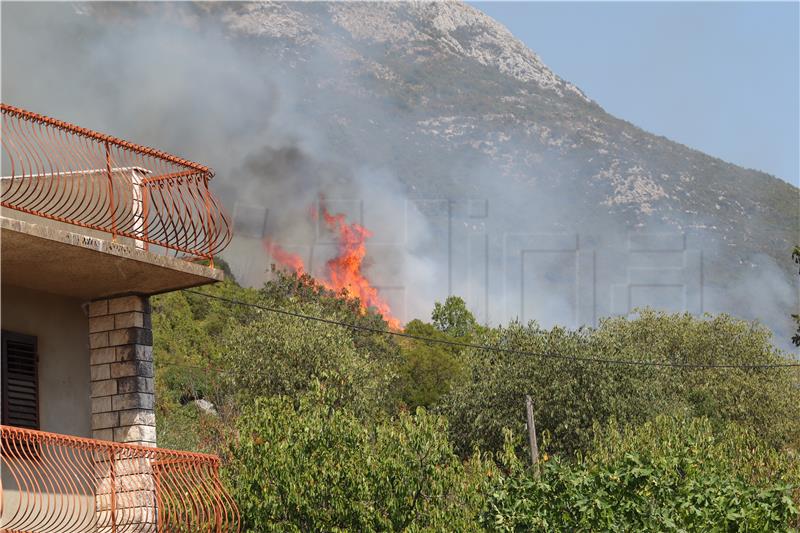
{"x":59,"y":483}
{"x":73,"y":175}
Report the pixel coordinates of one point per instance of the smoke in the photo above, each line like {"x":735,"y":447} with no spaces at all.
{"x":286,"y":125}
{"x":169,"y":76}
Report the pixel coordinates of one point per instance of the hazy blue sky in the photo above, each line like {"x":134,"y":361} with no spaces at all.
{"x":720,"y":77}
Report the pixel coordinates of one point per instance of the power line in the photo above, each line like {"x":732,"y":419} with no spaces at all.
{"x":548,"y":355}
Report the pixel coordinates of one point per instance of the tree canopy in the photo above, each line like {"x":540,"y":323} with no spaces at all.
{"x":325,"y":427}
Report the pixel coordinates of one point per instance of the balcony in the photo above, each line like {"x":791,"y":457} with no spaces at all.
{"x":120,"y":218}
{"x":59,"y":483}
{"x":75,"y":176}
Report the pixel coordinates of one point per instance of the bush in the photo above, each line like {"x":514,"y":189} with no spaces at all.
{"x":282,"y":355}
{"x":673,"y":485}
{"x":570,"y":397}
{"x":427,"y":370}
{"x":304,"y":465}
{"x":731,"y":448}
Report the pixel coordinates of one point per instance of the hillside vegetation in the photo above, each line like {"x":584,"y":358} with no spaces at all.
{"x":328,"y":428}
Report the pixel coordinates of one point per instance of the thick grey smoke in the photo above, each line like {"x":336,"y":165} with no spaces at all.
{"x":283,"y":127}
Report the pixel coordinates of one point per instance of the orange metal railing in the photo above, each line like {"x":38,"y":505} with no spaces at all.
{"x":59,"y":483}
{"x":63,"y":172}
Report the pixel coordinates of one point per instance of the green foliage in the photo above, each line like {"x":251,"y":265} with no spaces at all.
{"x":570,"y":397}
{"x":312,"y":437}
{"x":302,"y":464}
{"x":739,"y":451}
{"x":453,"y":317}
{"x":230,"y":354}
{"x":281,"y":355}
{"x":187,"y":333}
{"x":296,"y":293}
{"x":428,"y":369}
{"x":635,"y":483}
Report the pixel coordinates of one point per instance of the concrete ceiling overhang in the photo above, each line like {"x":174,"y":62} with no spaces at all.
{"x":49,"y":259}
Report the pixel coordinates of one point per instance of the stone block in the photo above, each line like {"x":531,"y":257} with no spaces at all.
{"x":101,"y":323}
{"x":101,"y":405}
{"x":105,"y":420}
{"x":126,"y":304}
{"x":100,"y":356}
{"x":126,"y":465}
{"x":134,"y":384}
{"x":126,"y":500}
{"x":133,"y":319}
{"x":118,"y":337}
{"x":131,"y":352}
{"x":106,"y":387}
{"x":103,"y":434}
{"x":132,"y":368}
{"x":98,"y":340}
{"x":133,"y":417}
{"x":98,"y":308}
{"x":100,"y":372}
{"x":136,"y":433}
{"x":132,"y":400}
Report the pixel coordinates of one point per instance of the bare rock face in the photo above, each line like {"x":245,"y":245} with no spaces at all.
{"x":447,"y":27}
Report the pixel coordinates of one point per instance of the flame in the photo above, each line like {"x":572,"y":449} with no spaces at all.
{"x":343,"y":272}
{"x":288,"y":259}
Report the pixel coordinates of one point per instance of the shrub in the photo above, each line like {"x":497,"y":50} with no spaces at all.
{"x":427,"y":370}
{"x":282,"y":355}
{"x":731,"y":448}
{"x":674,"y":487}
{"x":304,"y":465}
{"x":570,"y":397}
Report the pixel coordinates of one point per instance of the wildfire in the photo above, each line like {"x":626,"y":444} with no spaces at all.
{"x":343,"y":272}
{"x":288,"y":259}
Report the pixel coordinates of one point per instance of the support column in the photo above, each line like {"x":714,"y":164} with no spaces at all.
{"x":121,"y":343}
{"x":123,"y":403}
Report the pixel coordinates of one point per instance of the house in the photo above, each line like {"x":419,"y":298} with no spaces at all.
{"x":91,"y":227}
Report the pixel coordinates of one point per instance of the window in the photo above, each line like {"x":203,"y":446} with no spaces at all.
{"x":20,"y":381}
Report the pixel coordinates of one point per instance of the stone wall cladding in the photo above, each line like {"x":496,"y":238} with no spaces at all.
{"x":131,"y":487}
{"x":122,"y":382}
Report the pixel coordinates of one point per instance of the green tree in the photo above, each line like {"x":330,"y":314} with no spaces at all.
{"x":453,"y":317}
{"x":428,"y":369}
{"x":294,"y":293}
{"x":284,"y":355}
{"x":207,"y":348}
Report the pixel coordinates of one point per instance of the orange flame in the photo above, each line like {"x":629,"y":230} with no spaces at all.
{"x":343,"y":272}
{"x":288,"y":259}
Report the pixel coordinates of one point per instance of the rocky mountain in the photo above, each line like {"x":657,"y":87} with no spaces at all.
{"x":467,"y":110}
{"x":531,"y":199}
{"x":468,"y":85}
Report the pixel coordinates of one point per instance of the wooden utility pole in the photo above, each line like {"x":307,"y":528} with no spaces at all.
{"x":532,"y":435}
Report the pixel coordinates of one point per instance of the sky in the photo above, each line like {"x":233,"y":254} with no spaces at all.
{"x":723,"y":78}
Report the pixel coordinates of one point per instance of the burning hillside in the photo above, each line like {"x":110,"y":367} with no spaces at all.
{"x":343,"y":273}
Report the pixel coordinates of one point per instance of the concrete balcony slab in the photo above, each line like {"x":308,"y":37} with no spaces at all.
{"x":48,"y":258}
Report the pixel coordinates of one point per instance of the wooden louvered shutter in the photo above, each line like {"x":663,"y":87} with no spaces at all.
{"x":20,"y":381}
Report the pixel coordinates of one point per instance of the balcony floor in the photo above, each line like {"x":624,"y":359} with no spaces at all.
{"x":50,"y":259}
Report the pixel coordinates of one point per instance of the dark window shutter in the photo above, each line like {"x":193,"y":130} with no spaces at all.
{"x":20,"y":381}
